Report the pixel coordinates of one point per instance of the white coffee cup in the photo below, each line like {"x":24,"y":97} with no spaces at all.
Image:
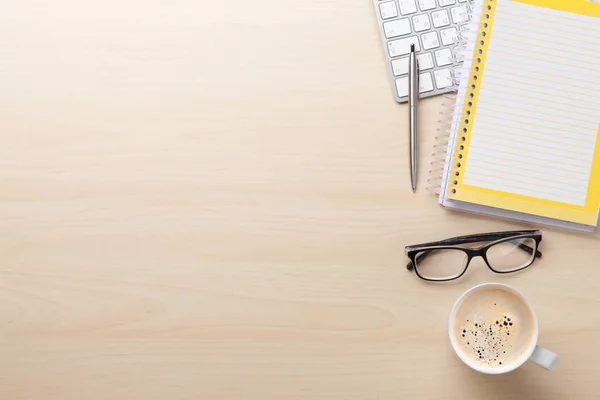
{"x":474,"y":304}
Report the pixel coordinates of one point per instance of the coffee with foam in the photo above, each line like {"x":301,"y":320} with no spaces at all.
{"x":493,"y":327}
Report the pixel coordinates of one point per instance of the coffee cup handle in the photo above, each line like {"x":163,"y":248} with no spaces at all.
{"x":544,"y":358}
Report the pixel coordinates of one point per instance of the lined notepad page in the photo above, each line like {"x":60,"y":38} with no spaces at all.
{"x":538,"y":109}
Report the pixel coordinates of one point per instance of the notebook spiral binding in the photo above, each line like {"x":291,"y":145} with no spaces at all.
{"x":437,"y":171}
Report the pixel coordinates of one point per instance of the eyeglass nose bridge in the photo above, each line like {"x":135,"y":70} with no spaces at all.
{"x":471,"y":254}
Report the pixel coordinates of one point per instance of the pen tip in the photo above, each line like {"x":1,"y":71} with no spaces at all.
{"x":412,"y":47}
{"x":414,"y":189}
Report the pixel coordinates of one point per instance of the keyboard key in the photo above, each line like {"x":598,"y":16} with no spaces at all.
{"x":396,"y":28}
{"x":462,"y":1}
{"x":388,"y":10}
{"x":443,"y":57}
{"x":448,"y":36}
{"x":421,"y":22}
{"x":440,"y":18}
{"x":425,"y":61}
{"x":444,"y":3}
{"x":400,"y":66}
{"x":425,"y":5}
{"x":459,"y":14}
{"x":430,"y":40}
{"x":443,"y":78}
{"x":407,"y":6}
{"x":425,"y":83}
{"x":401,"y":47}
{"x":402,"y":86}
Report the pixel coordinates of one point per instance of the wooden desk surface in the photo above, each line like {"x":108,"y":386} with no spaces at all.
{"x":210,"y":200}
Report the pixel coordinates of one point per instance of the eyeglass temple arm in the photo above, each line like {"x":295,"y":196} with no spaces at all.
{"x":473,"y":239}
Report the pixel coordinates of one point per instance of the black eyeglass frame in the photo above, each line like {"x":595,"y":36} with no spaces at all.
{"x":454,"y":244}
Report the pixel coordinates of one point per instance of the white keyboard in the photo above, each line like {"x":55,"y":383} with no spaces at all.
{"x":433,"y":26}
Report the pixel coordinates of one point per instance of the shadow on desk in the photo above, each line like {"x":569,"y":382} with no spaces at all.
{"x":528,"y":382}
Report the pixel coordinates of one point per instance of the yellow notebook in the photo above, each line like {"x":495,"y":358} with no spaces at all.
{"x":526,"y":124}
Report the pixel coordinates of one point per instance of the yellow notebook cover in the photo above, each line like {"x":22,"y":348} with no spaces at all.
{"x":528,"y":133}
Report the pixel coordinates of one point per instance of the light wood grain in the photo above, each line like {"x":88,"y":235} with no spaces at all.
{"x":210,"y":200}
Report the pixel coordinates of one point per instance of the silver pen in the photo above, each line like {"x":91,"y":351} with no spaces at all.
{"x":413,"y":101}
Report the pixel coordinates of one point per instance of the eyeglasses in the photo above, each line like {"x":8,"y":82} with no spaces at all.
{"x":446,"y":260}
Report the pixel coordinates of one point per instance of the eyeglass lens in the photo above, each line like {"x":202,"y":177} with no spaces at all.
{"x":511,"y":255}
{"x":441,"y":264}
